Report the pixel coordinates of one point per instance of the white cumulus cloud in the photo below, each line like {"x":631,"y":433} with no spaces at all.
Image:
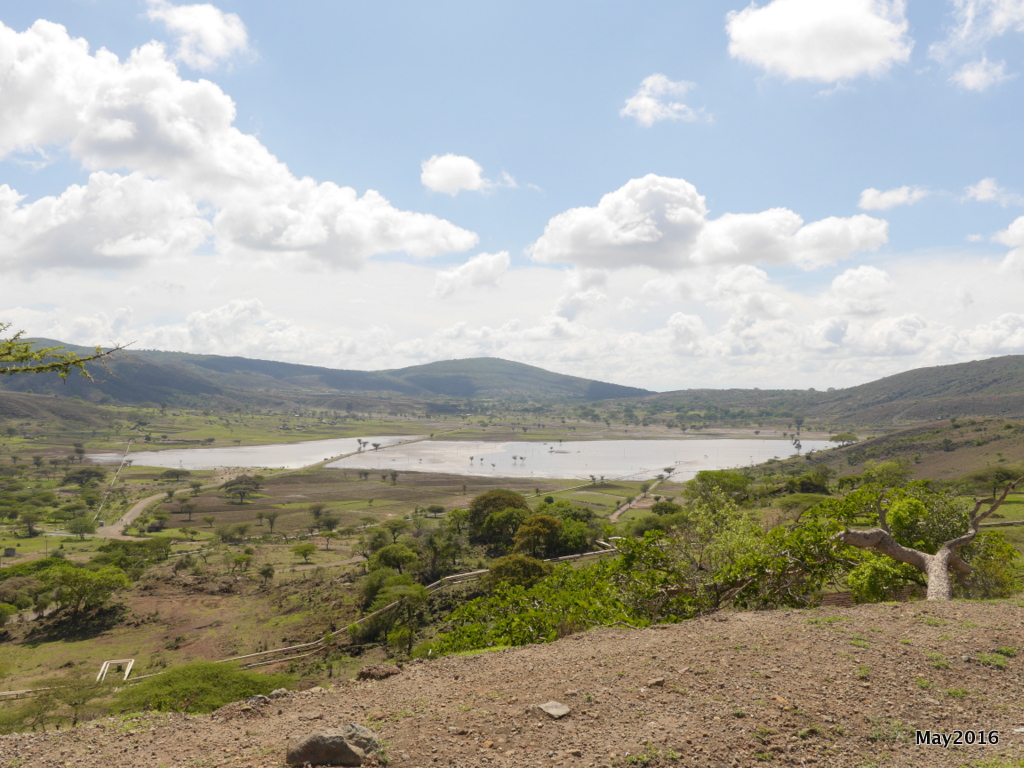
{"x":663,"y":223}
{"x":1013,"y":236}
{"x":981,"y":75}
{"x":989,"y":191}
{"x":821,"y":41}
{"x":657,"y":99}
{"x":451,"y":174}
{"x":865,"y":290}
{"x":140,"y":115}
{"x":111,"y":221}
{"x":872,"y":199}
{"x":206,"y":35}
{"x":482,"y":271}
{"x":584,"y":291}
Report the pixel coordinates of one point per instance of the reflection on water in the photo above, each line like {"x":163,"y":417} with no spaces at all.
{"x":277,"y":455}
{"x":613,"y":459}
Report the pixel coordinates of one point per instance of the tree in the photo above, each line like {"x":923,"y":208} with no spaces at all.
{"x":84,"y":476}
{"x":80,"y":526}
{"x":266,"y":573}
{"x":515,"y":569}
{"x":271,"y":518}
{"x":493,"y":501}
{"x":911,"y":533}
{"x":305,"y":551}
{"x":500,"y":527}
{"x":241,"y":486}
{"x":29,"y":520}
{"x":20,"y":356}
{"x":327,"y":537}
{"x":79,"y":589}
{"x":209,"y":520}
{"x":396,"y":556}
{"x":665,"y":508}
{"x":196,"y":486}
{"x":175,"y":474}
{"x":396,"y":528}
{"x":844,"y":438}
{"x":538,"y":536}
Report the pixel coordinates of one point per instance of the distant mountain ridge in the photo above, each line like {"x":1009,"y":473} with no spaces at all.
{"x":993,"y":388}
{"x":986,"y":388}
{"x":155,"y":376}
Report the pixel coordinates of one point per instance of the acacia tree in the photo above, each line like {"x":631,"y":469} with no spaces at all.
{"x":935,"y":566}
{"x":18,"y":355}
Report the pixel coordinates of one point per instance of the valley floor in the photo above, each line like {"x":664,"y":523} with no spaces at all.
{"x":826,"y":687}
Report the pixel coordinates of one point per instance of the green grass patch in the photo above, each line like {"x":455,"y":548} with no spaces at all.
{"x":196,"y":688}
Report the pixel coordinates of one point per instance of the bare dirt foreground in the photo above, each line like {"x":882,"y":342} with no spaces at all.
{"x":826,"y":687}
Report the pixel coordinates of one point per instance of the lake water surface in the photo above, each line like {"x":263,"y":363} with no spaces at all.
{"x":274,"y":456}
{"x":614,"y":459}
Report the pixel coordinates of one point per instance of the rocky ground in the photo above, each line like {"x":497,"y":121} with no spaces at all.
{"x":824,"y":687}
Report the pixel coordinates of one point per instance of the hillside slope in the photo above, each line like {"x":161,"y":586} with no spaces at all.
{"x":992,"y":387}
{"x":827,"y":687}
{"x":155,"y":376}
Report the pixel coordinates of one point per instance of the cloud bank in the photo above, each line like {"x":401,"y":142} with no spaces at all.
{"x":177,"y":135}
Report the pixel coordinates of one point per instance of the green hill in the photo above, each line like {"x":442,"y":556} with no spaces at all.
{"x":176,"y":377}
{"x":992,"y":387}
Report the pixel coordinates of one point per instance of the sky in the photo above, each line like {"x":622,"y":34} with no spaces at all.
{"x":781,"y":194}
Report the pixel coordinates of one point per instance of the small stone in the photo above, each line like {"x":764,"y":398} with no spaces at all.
{"x":278,"y":693}
{"x":348,"y":745}
{"x":257,"y":701}
{"x":573,"y":692}
{"x":554,"y":709}
{"x":487,"y":744}
{"x":657,"y":682}
{"x":576,"y":752}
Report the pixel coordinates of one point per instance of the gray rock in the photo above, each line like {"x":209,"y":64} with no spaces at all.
{"x":278,"y":693}
{"x":257,"y":701}
{"x":347,"y":745}
{"x":554,"y":709}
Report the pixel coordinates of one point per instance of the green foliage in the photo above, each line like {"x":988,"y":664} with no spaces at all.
{"x":397,"y":556}
{"x":568,"y":601}
{"x":84,"y":476}
{"x":516,"y":570}
{"x":241,"y":486}
{"x":998,"y":569}
{"x":706,"y":482}
{"x":80,"y":526}
{"x":499,"y":529}
{"x":661,"y":508}
{"x":79,"y":589}
{"x":486,"y":504}
{"x":197,"y":688}
{"x":20,"y":356}
{"x":305,"y":551}
{"x":877,"y":578}
{"x":539,"y":536}
{"x":6,"y":612}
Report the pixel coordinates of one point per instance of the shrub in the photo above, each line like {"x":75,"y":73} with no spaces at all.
{"x":198,"y":688}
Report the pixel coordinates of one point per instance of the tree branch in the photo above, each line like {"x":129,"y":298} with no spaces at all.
{"x":876,"y":538}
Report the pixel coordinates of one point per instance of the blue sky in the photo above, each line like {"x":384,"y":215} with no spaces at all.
{"x":786,"y":194}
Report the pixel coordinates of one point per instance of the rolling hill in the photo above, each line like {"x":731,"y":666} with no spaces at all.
{"x":189,"y":379}
{"x":992,"y":387}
